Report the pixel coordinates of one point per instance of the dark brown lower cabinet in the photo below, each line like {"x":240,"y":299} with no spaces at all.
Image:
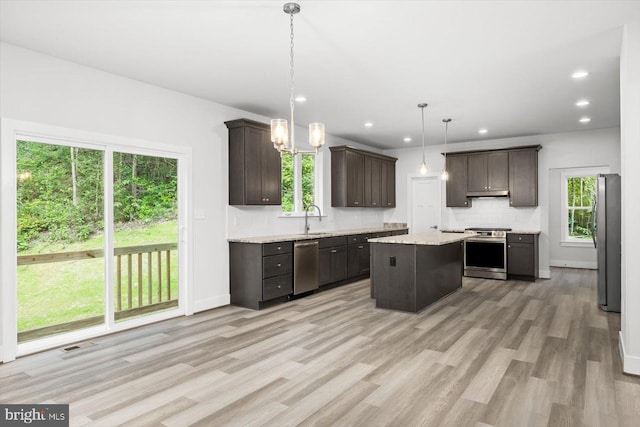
{"x":522,"y":256}
{"x":333,"y":264}
{"x":259,"y":273}
{"x":262,"y":274}
{"x":358,"y":259}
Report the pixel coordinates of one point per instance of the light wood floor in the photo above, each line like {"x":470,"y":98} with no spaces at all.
{"x":494,"y":353}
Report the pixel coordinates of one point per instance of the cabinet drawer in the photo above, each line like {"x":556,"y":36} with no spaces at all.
{"x":357,"y":238}
{"x":277,"y":287}
{"x":520,"y":238}
{"x":277,"y":265}
{"x":277,"y":248}
{"x":328,"y":242}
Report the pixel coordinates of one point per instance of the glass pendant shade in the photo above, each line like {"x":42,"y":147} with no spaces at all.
{"x":279,"y":133}
{"x":423,"y":168}
{"x":316,"y":135}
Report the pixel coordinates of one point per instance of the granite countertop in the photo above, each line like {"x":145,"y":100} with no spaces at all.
{"x":435,"y":238}
{"x":311,"y":236}
{"x":524,"y":232}
{"x":461,"y":230}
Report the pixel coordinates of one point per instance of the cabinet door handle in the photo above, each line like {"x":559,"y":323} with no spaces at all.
{"x":360,"y":247}
{"x":278,"y":265}
{"x":373,"y":203}
{"x":465,"y":203}
{"x":508,"y":246}
{"x":266,"y":200}
{"x":356,"y":203}
{"x":333,"y":251}
{"x":279,"y":248}
{"x":279,"y":286}
{"x":519,"y":238}
{"x":489,"y":187}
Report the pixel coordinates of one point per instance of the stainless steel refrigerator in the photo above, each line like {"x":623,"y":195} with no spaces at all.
{"x":606,"y":238}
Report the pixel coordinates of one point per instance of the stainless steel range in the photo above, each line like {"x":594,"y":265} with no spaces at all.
{"x":485,"y":253}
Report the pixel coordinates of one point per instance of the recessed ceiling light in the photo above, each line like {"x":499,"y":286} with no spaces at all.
{"x":482,"y":131}
{"x":585,"y":119}
{"x":580,"y":74}
{"x":407,"y":139}
{"x":583,"y":103}
{"x":368,"y":124}
{"x":301,"y":98}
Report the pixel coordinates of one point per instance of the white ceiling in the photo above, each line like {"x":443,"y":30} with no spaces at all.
{"x":503,"y":65}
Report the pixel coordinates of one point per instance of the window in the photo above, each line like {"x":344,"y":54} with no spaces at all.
{"x":579,"y":187}
{"x":298,"y":183}
{"x":580,"y":194}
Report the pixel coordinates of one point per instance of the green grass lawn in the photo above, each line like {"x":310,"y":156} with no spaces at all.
{"x":60,"y":292}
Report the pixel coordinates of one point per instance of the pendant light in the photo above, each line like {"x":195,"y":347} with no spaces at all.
{"x":444,"y":175}
{"x":282,"y":135}
{"x":423,"y":165}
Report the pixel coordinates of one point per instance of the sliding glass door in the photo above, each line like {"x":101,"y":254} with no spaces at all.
{"x":65,"y":283}
{"x":60,"y":230}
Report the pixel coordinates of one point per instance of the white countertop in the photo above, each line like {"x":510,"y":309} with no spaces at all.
{"x":311,"y":236}
{"x":435,"y":238}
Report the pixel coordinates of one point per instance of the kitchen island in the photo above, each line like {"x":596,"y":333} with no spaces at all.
{"x":412,"y":271}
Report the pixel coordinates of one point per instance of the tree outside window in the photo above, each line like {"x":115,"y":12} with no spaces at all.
{"x":581,"y":191}
{"x":301,"y":183}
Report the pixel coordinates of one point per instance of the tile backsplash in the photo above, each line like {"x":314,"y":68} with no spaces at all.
{"x":492,"y":212}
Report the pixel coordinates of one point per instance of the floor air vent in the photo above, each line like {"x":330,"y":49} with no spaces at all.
{"x":77,"y":346}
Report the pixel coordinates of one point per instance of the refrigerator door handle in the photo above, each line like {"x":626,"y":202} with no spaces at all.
{"x":593,"y":222}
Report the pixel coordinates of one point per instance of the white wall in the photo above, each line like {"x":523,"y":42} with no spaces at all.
{"x":630,"y":153}
{"x":563,"y":150}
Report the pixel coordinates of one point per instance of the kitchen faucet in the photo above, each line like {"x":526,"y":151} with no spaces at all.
{"x":306,"y":216}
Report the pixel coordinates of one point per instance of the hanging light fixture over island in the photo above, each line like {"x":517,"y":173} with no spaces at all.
{"x":282,"y":136}
{"x":444,"y":175}
{"x":423,"y":165}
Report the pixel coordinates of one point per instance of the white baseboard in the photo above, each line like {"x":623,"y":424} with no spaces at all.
{"x":544,"y":274}
{"x":209,"y":303}
{"x":574,"y":264}
{"x":630,"y":364}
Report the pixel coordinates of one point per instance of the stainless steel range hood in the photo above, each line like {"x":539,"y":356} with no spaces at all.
{"x":488,"y":193}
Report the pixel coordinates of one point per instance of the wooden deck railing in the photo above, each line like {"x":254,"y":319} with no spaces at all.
{"x":138,"y":290}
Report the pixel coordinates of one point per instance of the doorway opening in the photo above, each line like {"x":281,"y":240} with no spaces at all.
{"x":424,"y":205}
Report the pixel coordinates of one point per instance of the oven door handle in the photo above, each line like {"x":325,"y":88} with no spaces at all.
{"x":487,"y":239}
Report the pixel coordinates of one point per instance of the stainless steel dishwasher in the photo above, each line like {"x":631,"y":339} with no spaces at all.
{"x":306,"y":260}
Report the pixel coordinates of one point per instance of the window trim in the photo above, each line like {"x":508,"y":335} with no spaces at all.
{"x":565,"y":174}
{"x":318,"y":169}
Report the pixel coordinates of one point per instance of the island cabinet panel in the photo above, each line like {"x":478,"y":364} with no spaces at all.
{"x":260,"y":272}
{"x":488,"y":172}
{"x":255,"y":172}
{"x":457,"y":182}
{"x":522,"y":256}
{"x":523,"y":178}
{"x":362,"y":179}
{"x":411,"y":277}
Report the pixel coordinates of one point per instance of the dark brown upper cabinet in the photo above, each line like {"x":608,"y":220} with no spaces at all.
{"x":511,"y":171}
{"x":388,"y":187}
{"x":457,"y":182}
{"x":488,"y":174}
{"x":255,"y":171}
{"x":373,"y":181}
{"x":362,"y":179}
{"x":523,"y":177}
